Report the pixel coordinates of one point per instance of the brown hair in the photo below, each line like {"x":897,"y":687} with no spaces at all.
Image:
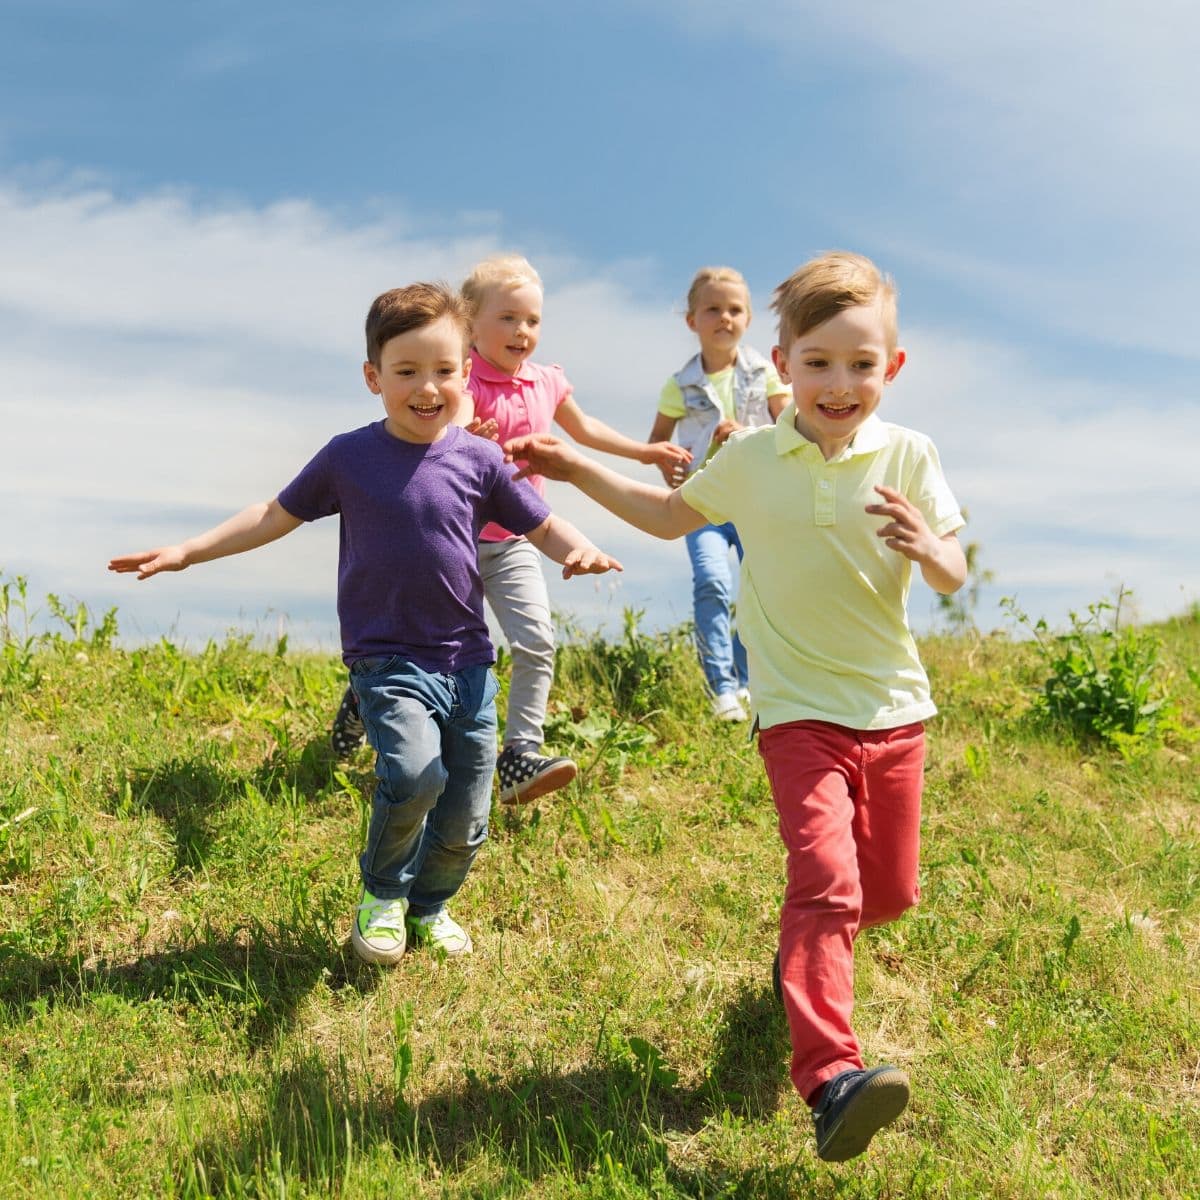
{"x":707,"y":275}
{"x":826,"y":285}
{"x":501,"y":270}
{"x":412,"y":307}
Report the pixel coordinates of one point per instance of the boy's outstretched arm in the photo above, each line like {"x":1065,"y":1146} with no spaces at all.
{"x":561,"y":541}
{"x":253,"y":527}
{"x":594,"y":434}
{"x":655,"y":510}
{"x":941,"y":559}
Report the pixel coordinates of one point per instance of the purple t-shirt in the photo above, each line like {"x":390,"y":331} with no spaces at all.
{"x":408,"y":577}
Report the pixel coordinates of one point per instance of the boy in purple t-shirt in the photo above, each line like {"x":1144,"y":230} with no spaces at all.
{"x":410,"y":489}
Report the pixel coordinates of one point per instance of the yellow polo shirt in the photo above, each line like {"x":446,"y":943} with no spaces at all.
{"x":822,"y":603}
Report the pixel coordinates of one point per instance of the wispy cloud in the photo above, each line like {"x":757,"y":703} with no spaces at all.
{"x":163,"y":363}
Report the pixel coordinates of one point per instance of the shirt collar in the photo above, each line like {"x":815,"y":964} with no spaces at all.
{"x":482,"y":369}
{"x":869,"y":437}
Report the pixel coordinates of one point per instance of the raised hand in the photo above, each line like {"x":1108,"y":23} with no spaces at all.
{"x":588,"y":560}
{"x":906,"y":531}
{"x":489,"y":430}
{"x":542,"y":454}
{"x":150,"y":562}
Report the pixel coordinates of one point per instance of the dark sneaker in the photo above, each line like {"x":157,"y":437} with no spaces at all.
{"x":348,"y":732}
{"x":854,"y":1107}
{"x":527,"y":775}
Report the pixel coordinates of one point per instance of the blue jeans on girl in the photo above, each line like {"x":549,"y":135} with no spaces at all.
{"x":722,"y":655}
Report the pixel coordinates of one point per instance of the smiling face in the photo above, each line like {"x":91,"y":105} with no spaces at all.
{"x":507,"y":325}
{"x":719,"y":319}
{"x":838,"y":370}
{"x":420,"y":379}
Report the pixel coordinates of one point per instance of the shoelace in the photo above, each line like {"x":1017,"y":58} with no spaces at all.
{"x":384,"y":914}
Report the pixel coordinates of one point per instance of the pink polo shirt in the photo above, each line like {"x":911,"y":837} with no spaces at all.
{"x":523,"y":403}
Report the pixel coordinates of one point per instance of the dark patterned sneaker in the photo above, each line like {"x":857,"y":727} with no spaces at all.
{"x":347,"y":733}
{"x":854,"y":1107}
{"x":527,"y":775}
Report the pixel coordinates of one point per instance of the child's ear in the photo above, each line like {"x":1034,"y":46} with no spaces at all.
{"x":781,"y":364}
{"x":897,"y":360}
{"x":371,"y":375}
{"x":690,"y":318}
{"x":466,"y":368}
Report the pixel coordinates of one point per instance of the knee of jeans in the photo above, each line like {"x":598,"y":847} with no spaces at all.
{"x":465,"y":839}
{"x":711,"y":589}
{"x":405,"y":782}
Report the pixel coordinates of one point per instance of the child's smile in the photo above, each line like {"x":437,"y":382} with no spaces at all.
{"x":420,"y":379}
{"x":838,"y":371}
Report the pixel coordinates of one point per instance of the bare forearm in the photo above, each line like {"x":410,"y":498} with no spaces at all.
{"x":598,"y":436}
{"x":946,"y":570}
{"x":654,"y":510}
{"x":254,"y":526}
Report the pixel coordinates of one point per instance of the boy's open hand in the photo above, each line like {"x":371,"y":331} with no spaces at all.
{"x":150,"y":562}
{"x":542,"y":454}
{"x":588,"y":560}
{"x":906,"y":531}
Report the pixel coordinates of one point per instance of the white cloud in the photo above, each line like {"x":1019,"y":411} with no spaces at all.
{"x":162,"y":364}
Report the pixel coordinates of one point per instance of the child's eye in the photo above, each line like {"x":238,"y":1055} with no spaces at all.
{"x":405,"y":372}
{"x":815,"y":363}
{"x":865,"y":364}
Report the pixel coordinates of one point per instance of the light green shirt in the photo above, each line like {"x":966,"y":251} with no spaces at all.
{"x":822,"y":605}
{"x":670,"y":400}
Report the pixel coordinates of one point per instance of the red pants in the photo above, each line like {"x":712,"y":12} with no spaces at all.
{"x":849,"y":804}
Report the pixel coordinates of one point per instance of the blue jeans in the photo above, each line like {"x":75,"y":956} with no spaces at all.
{"x":434,"y":738}
{"x":721,"y":652}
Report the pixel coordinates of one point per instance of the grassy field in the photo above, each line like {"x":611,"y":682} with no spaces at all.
{"x":180,"y":1013}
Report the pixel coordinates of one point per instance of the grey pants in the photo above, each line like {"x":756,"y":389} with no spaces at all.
{"x":516,"y":591}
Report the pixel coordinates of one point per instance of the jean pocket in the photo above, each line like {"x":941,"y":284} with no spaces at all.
{"x":377,"y":665}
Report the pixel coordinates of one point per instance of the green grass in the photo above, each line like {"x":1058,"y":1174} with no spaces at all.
{"x":180,"y":1014}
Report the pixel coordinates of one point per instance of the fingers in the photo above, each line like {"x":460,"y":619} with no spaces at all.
{"x":144,"y":563}
{"x":588,"y":561}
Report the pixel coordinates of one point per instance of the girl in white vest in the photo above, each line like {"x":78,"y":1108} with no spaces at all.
{"x":723,"y":388}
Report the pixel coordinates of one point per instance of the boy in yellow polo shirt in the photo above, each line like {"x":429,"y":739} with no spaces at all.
{"x":833,"y":507}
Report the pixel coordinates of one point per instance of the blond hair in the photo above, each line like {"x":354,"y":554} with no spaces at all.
{"x":826,"y":285}
{"x":707,"y":275}
{"x":498,"y":271}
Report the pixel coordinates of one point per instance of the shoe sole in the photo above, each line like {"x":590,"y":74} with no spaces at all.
{"x":549,"y":780}
{"x":372,"y":954}
{"x":877,"y":1103}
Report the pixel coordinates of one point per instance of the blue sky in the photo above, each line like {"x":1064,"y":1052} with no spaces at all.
{"x":198,"y":202}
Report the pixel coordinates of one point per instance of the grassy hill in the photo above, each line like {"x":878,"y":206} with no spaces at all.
{"x":180,"y":1013}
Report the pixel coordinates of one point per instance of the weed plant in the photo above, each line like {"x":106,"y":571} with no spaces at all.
{"x":180,"y":1014}
{"x":1105,"y":680}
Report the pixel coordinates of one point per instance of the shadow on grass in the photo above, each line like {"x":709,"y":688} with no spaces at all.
{"x":189,"y":795}
{"x":257,"y":976}
{"x":613,"y":1119}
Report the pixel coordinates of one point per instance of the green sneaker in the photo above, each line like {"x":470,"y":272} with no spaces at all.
{"x":440,"y":932}
{"x":377,"y":934}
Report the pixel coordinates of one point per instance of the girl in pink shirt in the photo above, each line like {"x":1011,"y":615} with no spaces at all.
{"x":516,"y":397}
